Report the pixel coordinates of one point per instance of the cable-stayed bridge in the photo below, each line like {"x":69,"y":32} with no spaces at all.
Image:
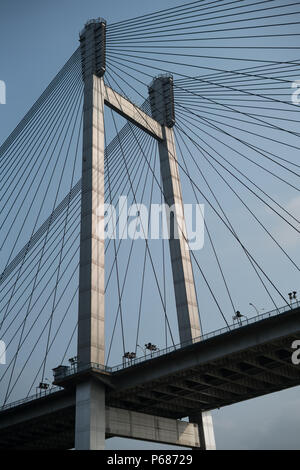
{"x":130,"y":335}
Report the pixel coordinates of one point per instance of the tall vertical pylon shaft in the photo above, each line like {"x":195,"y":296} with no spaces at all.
{"x":91,"y":282}
{"x":185,"y":294}
{"x":90,"y":395}
{"x":162,"y":105}
{"x":163,"y":110}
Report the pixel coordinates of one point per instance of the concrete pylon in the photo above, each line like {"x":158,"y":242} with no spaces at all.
{"x":90,"y":395}
{"x":163,"y":110}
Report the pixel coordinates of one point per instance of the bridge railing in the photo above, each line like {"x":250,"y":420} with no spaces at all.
{"x":36,"y":396}
{"x":64,"y":372}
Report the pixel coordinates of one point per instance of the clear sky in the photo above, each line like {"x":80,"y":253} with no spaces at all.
{"x":36,"y":39}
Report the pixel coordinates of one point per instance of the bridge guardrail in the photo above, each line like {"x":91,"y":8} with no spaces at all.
{"x":31,"y":398}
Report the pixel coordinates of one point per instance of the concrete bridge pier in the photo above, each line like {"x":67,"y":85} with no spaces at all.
{"x":90,"y":416}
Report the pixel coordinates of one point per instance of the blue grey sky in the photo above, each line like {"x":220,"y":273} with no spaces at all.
{"x":36,"y":39}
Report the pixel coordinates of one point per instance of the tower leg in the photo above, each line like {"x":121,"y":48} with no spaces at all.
{"x":91,"y":277}
{"x":162,"y":105}
{"x":90,"y":395}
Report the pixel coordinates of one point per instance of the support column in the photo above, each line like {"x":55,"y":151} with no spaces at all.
{"x":90,"y":395}
{"x":163,"y":110}
{"x":206,"y":430}
{"x":90,"y":416}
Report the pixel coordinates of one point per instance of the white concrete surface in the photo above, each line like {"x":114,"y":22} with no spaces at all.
{"x":90,"y":416}
{"x":129,"y":424}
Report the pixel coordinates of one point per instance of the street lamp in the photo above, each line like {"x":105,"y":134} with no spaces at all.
{"x":256,"y":309}
{"x":42,"y":386}
{"x":238,"y":316}
{"x":151,"y":347}
{"x":129,"y":356}
{"x":292,"y":296}
{"x":73,"y":362}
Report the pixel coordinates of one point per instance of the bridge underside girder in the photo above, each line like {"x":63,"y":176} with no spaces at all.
{"x":56,"y":429}
{"x":259,"y":371}
{"x":47,"y":426}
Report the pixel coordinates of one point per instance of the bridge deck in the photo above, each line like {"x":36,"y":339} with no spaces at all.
{"x":238,"y":365}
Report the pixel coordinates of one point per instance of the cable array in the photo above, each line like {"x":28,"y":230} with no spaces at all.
{"x":237,"y":144}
